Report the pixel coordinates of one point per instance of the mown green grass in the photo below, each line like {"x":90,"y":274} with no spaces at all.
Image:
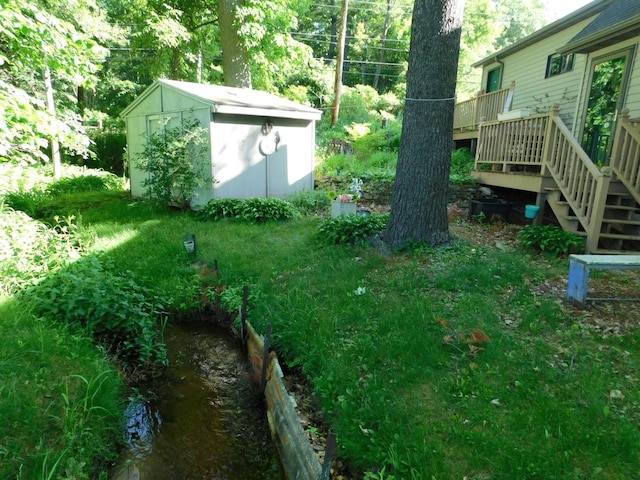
{"x":386,"y":344}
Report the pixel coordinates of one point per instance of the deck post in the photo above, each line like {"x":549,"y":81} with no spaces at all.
{"x":597,"y":214}
{"x":549,"y":143}
{"x":541,"y":201}
{"x":616,"y":153}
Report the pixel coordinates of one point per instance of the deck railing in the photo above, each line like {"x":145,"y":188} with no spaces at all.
{"x":625,"y":154}
{"x":512,"y":144}
{"x":583,"y":185}
{"x":485,"y":107}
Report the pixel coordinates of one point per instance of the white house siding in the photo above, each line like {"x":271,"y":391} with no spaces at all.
{"x":533,"y":91}
{"x":632,"y":102}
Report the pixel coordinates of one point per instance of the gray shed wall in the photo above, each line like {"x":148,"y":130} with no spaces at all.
{"x":238,"y":166}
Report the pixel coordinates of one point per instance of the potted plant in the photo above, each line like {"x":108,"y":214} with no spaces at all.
{"x":345,"y":203}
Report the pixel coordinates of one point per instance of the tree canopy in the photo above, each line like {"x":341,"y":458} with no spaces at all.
{"x":100,"y":54}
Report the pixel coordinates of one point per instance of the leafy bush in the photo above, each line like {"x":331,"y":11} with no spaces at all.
{"x":551,"y":239}
{"x":462,"y":163}
{"x":30,"y":251}
{"x":122,"y":315}
{"x":221,"y":208}
{"x":249,"y":209}
{"x":352,"y":229}
{"x":381,"y":140}
{"x":309,"y":202}
{"x":84,"y":183}
{"x":175,"y":159}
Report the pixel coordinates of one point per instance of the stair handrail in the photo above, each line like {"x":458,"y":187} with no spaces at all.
{"x":583,"y":185}
{"x":625,"y":154}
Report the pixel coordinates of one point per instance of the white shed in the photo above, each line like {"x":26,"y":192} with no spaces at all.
{"x":261,"y":145}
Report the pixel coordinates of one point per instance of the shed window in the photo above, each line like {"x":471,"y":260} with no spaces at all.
{"x":557,"y":64}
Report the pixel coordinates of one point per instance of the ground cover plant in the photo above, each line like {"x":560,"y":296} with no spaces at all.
{"x":60,"y":398}
{"x":431,"y":363}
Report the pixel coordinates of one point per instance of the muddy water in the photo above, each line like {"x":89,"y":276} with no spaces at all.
{"x":204,"y":420}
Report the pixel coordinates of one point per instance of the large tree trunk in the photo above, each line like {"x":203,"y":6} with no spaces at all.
{"x":419,"y":202}
{"x":235,"y":58}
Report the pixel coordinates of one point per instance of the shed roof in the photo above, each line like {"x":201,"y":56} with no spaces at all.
{"x":231,"y":100}
{"x":589,"y":10}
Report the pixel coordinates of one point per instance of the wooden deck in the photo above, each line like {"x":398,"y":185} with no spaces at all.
{"x":470,"y":114}
{"x":539,"y":154}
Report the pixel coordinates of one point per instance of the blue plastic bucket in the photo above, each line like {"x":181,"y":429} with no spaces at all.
{"x":530,"y":211}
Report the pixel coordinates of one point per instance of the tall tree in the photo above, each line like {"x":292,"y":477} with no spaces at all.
{"x":235,"y":56}
{"x":32,"y":42}
{"x":519,"y":18}
{"x":419,"y":202}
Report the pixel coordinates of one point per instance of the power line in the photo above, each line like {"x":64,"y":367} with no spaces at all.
{"x":310,"y":34}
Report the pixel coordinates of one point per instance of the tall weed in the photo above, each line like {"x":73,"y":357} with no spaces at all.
{"x":124,"y":316}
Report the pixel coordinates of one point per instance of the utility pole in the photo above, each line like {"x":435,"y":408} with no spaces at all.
{"x":339,"y":61}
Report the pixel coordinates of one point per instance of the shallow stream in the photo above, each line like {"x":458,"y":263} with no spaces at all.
{"x":203,"y":419}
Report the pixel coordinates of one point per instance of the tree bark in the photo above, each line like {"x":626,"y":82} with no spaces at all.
{"x":419,"y":202}
{"x":53,"y":141}
{"x":235,"y":58}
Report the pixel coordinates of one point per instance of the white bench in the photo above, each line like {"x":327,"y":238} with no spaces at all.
{"x":580,"y":265}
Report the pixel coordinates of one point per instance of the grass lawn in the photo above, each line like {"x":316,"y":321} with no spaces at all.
{"x":432,"y":363}
{"x":428,"y":364}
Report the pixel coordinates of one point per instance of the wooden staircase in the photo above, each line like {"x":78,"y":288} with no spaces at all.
{"x":601,"y":204}
{"x":620,"y":227}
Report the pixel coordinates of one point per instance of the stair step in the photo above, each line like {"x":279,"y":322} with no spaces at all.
{"x":619,"y":194}
{"x":620,"y":221}
{"x":628,"y":208}
{"x":620,"y":236}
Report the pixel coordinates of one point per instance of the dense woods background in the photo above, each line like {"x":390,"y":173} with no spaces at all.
{"x":68,"y":67}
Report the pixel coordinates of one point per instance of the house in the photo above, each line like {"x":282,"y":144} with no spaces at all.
{"x":557,"y":116}
{"x":260,"y":145}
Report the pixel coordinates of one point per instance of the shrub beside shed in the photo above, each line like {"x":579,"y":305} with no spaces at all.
{"x":260,"y":145}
